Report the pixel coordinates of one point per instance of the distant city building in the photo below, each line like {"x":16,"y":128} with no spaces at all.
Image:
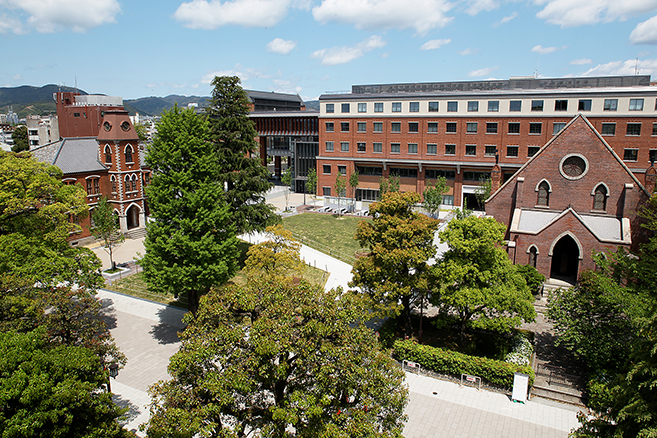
{"x":42,"y":130}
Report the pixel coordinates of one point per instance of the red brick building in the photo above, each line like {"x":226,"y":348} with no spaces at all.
{"x":574,"y":197}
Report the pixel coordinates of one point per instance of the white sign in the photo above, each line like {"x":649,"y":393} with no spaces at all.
{"x":520,"y":386}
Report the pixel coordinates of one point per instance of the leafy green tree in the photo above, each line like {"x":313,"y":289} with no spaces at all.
{"x":433,"y":196}
{"x":279,"y":254}
{"x":142,"y":132}
{"x":106,"y":227}
{"x":483,"y":191}
{"x":340,"y":187}
{"x":311,"y":184}
{"x":53,"y":391}
{"x":401,"y":243}
{"x":475,"y":282}
{"x":353,"y":181}
{"x":21,"y":140}
{"x":277,"y":358}
{"x":388,"y":185}
{"x":244,"y":177}
{"x":533,"y":278}
{"x":286,"y":179}
{"x":191,"y":244}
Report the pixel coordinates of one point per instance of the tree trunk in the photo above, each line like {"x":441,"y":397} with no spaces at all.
{"x":192,"y":302}
{"x":408,"y":326}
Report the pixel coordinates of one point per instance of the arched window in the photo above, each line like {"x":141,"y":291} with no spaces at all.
{"x":600,"y":198}
{"x":108,"y":154}
{"x":128,"y":154}
{"x":134,"y":183}
{"x":543,"y":194}
{"x":127,"y":183}
{"x":113,"y":180}
{"x":533,"y":254}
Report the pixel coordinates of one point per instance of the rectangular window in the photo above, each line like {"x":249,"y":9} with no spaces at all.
{"x":557,"y":127}
{"x":395,"y":148}
{"x":475,"y":176}
{"x":561,"y":105}
{"x":362,"y":107}
{"x":362,"y":126}
{"x":448,"y":199}
{"x":377,"y":126}
{"x":491,"y":127}
{"x":89,"y":189}
{"x":377,"y":147}
{"x":609,"y":129}
{"x":403,"y":172}
{"x":532,"y":150}
{"x":633,"y":129}
{"x":435,"y":173}
{"x":414,"y":107}
{"x":395,"y":127}
{"x":512,"y":151}
{"x":493,"y":106}
{"x":654,"y":129}
{"x":537,"y":105}
{"x":345,"y":108}
{"x":490,"y":151}
{"x":329,"y":126}
{"x":432,"y":127}
{"x":326,"y":191}
{"x":344,"y":126}
{"x":471,"y":127}
{"x":636,"y":105}
{"x":433,"y":107}
{"x":630,"y":154}
{"x":515,"y":105}
{"x":330,"y":108}
{"x":369,"y":170}
{"x":535,"y":128}
{"x":473,"y":106}
{"x":452,"y":107}
{"x":413,"y":127}
{"x":342,"y":170}
{"x":450,"y":149}
{"x":611,"y":105}
{"x":344,"y":146}
{"x":76,"y":114}
{"x":396,"y":107}
{"x":470,"y":149}
{"x":652,"y":155}
{"x":329,"y":146}
{"x":432,"y":149}
{"x":584,"y":105}
{"x":326,"y":169}
{"x":450,"y":127}
{"x":361,"y":146}
{"x":412,"y":148}
{"x":378,"y":107}
{"x":514,"y":128}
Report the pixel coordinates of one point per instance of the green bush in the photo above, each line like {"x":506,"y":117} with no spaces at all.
{"x":494,"y":372}
{"x":533,"y":278}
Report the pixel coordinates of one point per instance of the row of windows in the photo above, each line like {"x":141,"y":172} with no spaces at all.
{"x":536,"y":128}
{"x":128,"y":151}
{"x":600,"y":194}
{"x":492,"y":106}
{"x":405,"y":172}
{"x":431,"y":149}
{"x":130,"y":182}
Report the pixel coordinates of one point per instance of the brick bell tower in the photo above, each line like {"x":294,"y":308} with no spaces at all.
{"x":118,"y":147}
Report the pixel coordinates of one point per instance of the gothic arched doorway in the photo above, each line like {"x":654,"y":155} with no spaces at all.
{"x":565,"y":259}
{"x":132,"y":217}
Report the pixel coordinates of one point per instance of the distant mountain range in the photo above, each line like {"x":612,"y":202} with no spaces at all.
{"x":27,"y":100}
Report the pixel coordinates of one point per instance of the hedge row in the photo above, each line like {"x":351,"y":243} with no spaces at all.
{"x":491,"y":371}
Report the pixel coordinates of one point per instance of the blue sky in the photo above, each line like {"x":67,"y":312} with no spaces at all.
{"x":310,"y":47}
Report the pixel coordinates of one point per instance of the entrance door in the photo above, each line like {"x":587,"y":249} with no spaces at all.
{"x":132,"y":216}
{"x":471,"y":202}
{"x":565,"y":259}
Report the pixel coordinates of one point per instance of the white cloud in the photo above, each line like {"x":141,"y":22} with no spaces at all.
{"x":621,"y":68}
{"x":17,"y":77}
{"x":482,"y":72}
{"x":567,"y":13}
{"x":645,"y":33}
{"x":544,"y":50}
{"x":476,"y":6}
{"x":506,"y":19}
{"x":582,"y":61}
{"x":434,"y":44}
{"x":244,"y":74}
{"x":55,"y":15}
{"x":421,"y":15}
{"x":281,"y":46}
{"x":467,"y":52}
{"x":211,"y":14}
{"x":342,"y":55}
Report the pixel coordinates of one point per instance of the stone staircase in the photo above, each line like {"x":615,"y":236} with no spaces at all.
{"x":135,"y":233}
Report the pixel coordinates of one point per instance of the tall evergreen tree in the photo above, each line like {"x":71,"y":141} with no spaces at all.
{"x":244,"y":177}
{"x":191,"y":244}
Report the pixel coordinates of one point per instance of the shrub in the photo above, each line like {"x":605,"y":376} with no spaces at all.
{"x":533,"y":278}
{"x":494,"y":372}
{"x":521,"y":351}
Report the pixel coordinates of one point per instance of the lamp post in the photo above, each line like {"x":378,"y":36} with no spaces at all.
{"x":113,"y":372}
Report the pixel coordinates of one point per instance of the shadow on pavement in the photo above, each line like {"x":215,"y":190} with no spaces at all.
{"x":107,"y":313}
{"x":132,"y":412}
{"x":166,"y":332}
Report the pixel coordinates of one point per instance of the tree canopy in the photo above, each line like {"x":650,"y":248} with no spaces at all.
{"x":433,"y":196}
{"x":401,"y":243}
{"x":475,"y":282}
{"x":279,"y":358}
{"x":21,"y":140}
{"x":191,"y":244}
{"x":279,"y":255}
{"x":243,"y":176}
{"x":106,"y":227}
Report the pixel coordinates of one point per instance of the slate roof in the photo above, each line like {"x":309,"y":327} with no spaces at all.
{"x":71,"y":155}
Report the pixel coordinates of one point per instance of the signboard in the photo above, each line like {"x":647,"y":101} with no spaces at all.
{"x":520,"y":387}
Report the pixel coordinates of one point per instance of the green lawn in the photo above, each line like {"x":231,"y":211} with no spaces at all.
{"x":326,"y":233}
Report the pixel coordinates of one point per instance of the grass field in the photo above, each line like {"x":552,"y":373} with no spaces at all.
{"x":326,"y":233}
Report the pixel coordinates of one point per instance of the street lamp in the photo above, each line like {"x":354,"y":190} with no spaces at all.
{"x":113,"y":372}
